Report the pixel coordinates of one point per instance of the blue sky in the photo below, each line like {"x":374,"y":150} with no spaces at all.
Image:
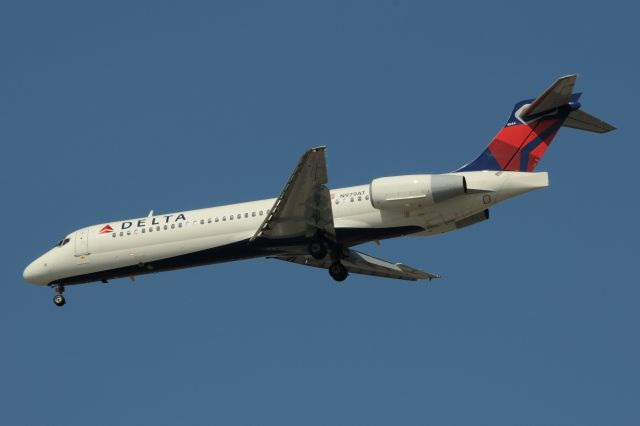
{"x":110,"y":110}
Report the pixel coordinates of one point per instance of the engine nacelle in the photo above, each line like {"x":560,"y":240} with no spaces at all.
{"x":414,"y":192}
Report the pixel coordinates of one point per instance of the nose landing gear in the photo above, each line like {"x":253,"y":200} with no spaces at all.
{"x":58,"y":299}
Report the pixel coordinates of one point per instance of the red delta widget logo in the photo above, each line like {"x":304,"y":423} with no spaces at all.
{"x":105,"y":229}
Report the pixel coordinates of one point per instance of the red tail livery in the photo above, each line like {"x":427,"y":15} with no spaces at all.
{"x":533,"y":124}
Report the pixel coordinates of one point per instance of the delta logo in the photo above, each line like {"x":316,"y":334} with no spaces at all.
{"x":106,"y":229}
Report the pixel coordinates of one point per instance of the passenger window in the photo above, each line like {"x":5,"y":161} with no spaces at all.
{"x":165,"y":227}
{"x":246,"y":215}
{"x":144,"y":230}
{"x":151,"y":229}
{"x":180,"y":225}
{"x":113,"y":235}
{"x":239,"y":216}
{"x":158,"y":228}
{"x":201,"y":221}
{"x":209,"y":220}
{"x":173,"y":226}
{"x":121,"y":234}
{"x":217,"y":220}
{"x":224,"y":218}
{"x":352,"y":199}
{"x":135,"y":232}
{"x":359,"y":197}
{"x":128,"y":232}
{"x":253,"y":214}
{"x":230,"y":217}
{"x":260,"y":212}
{"x":337,"y":201}
{"x":366,"y":197}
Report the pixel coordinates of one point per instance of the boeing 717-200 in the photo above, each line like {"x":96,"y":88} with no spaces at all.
{"x":312,"y":225}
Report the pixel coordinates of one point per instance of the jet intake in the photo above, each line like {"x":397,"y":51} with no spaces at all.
{"x":414,"y":192}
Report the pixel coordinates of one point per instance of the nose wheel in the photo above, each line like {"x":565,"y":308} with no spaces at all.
{"x":58,"y":299}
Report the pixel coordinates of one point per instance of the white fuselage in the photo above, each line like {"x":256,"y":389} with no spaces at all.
{"x":162,"y":242}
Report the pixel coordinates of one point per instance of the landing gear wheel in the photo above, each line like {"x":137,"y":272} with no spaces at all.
{"x":58,"y":299}
{"x":338,"y":272}
{"x":317,"y":250}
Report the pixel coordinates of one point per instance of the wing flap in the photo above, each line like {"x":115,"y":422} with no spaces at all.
{"x":360,"y":263}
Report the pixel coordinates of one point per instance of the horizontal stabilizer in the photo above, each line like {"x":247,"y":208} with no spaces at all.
{"x":557,"y":95}
{"x":581,"y":120}
{"x":532,"y":126}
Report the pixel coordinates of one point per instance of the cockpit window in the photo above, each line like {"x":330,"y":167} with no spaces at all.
{"x":62,"y":242}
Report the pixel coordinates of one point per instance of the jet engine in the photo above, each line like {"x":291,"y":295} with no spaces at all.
{"x":415,"y":192}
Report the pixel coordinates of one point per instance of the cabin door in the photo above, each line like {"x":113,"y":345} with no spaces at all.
{"x":82,"y":242}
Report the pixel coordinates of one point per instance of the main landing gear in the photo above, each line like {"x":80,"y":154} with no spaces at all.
{"x":338,"y":272}
{"x":58,"y":299}
{"x":319,"y":248}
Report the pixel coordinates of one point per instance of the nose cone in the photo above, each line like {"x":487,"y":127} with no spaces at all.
{"x":36,"y":272}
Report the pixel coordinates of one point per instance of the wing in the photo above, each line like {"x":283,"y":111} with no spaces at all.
{"x":360,"y":263}
{"x":304,"y":206}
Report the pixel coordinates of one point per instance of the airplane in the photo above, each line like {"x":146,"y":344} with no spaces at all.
{"x":312,"y":225}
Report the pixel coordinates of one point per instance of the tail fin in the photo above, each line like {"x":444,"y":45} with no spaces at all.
{"x":533,"y":124}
